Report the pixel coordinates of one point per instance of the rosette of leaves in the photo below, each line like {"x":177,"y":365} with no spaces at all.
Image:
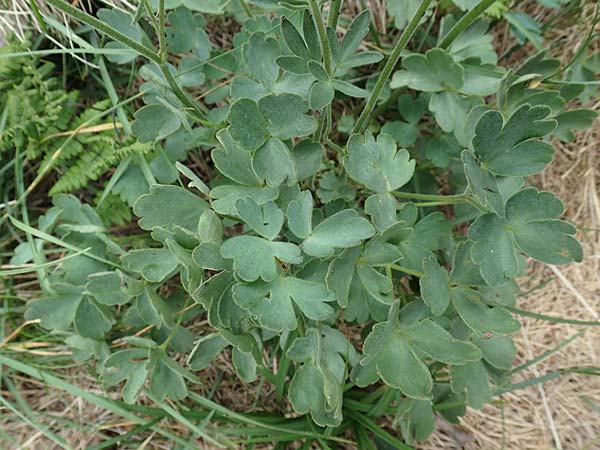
{"x":297,"y":233}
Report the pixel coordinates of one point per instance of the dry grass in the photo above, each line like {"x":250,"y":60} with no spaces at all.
{"x":553,"y":415}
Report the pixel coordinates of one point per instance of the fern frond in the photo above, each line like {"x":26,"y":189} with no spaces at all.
{"x":94,"y":162}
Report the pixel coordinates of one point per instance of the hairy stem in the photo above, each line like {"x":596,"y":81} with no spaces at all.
{"x":318,"y":18}
{"x":363,"y":120}
{"x":149,"y":53}
{"x":116,"y":35}
{"x":162,"y":47}
{"x":465,"y":21}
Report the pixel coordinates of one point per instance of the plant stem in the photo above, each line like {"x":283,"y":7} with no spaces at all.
{"x":398,"y":268}
{"x":162,"y":47}
{"x":465,"y":21}
{"x":140,"y":48}
{"x":335,"y":8}
{"x":460,"y":198}
{"x":245,"y":7}
{"x":104,"y":28}
{"x":363,"y":120}
{"x":181,"y":95}
{"x":318,"y":18}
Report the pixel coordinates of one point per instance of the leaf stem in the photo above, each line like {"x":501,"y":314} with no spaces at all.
{"x":116,"y":35}
{"x":412,"y":272}
{"x":149,"y":53}
{"x":181,"y":95}
{"x":318,"y":18}
{"x":365,"y":116}
{"x":465,"y":21}
{"x":162,"y":47}
{"x":459,"y":198}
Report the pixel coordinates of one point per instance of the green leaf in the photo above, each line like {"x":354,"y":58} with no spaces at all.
{"x":167,"y":378}
{"x":247,"y":127}
{"x":299,"y":214}
{"x":244,"y":364}
{"x":254,"y":257}
{"x":378,"y":164}
{"x":391,"y":351}
{"x":342,"y":230}
{"x":431,"y":339}
{"x":382,"y":209}
{"x":498,"y":351}
{"x":154,"y":122}
{"x":227,"y":195}
{"x":169,"y":206}
{"x":154,"y":265}
{"x":388,"y":355}
{"x":435,"y":286}
{"x":273,"y":303}
{"x":358,"y":29}
{"x":265,"y":220}
{"x":474,"y":42}
{"x":405,"y":134}
{"x":107,"y":288}
{"x":434,"y":71}
{"x":274,"y":163}
{"x":321,"y":95}
{"x":294,"y":39}
{"x":206,"y":349}
{"x":130,"y":366}
{"x":92,"y":319}
{"x":307,"y":394}
{"x":578,"y":119}
{"x":260,"y":53}
{"x":57,"y":311}
{"x":186,"y":33}
{"x":472,"y":378}
{"x":510,"y":148}
{"x":316,"y":386}
{"x":483,"y":320}
{"x":233,"y":161}
{"x":307,"y":155}
{"x":210,"y":227}
{"x":349,"y":89}
{"x":493,"y":250}
{"x":451,"y":109}
{"x":286,"y":116}
{"x":340,"y":274}
{"x":332,"y":187}
{"x":482,"y":184}
{"x":531,"y":226}
{"x":402,"y":11}
{"x":208,"y":256}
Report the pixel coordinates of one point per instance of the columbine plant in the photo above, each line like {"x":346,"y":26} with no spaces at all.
{"x":317,"y":206}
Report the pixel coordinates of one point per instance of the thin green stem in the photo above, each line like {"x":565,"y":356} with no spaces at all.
{"x":412,"y":272}
{"x":149,"y":53}
{"x":173,"y":332}
{"x":582,"y":48}
{"x":180,"y":93}
{"x":318,"y":18}
{"x":162,"y":46}
{"x":365,"y":117}
{"x":245,"y":7}
{"x":459,"y":198}
{"x":334,"y":13}
{"x":104,"y":28}
{"x":465,"y":21}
